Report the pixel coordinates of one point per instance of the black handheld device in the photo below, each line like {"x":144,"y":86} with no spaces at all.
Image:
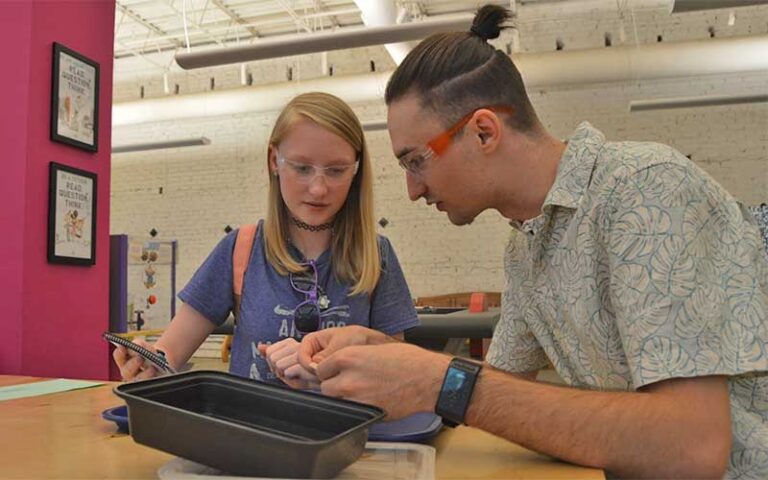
{"x":158,"y":359}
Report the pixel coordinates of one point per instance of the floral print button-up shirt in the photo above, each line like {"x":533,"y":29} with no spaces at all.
{"x":641,"y":268}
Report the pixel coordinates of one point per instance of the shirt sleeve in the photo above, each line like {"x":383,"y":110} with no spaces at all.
{"x":514,"y":347}
{"x":392,"y":309}
{"x":688,"y":280}
{"x":210,"y":289}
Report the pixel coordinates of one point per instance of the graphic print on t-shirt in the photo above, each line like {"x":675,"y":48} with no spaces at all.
{"x":269,"y":299}
{"x":332,"y":317}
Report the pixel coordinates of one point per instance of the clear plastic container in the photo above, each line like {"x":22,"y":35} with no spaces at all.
{"x":379,"y":461}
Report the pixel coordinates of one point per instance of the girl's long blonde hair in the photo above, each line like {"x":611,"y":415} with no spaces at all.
{"x":354,"y":246}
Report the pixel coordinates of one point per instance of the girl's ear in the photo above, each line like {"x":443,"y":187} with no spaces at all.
{"x":272,"y":156}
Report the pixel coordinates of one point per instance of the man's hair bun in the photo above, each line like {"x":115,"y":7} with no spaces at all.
{"x":488,"y":21}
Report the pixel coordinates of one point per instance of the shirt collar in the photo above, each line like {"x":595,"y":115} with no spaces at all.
{"x":574,"y":173}
{"x":530,"y":226}
{"x":576,"y":166}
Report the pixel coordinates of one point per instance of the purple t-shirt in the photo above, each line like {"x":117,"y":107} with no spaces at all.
{"x":268,"y":300}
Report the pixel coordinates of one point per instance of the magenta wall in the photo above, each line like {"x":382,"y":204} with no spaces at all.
{"x":52,"y":315}
{"x":15,"y":23}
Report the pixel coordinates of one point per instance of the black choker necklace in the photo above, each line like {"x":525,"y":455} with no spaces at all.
{"x":311,"y":228}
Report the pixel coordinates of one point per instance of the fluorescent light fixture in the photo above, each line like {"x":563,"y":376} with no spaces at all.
{"x":687,"y":102}
{"x":679,"y":6}
{"x":374,"y":125}
{"x":140,"y":147}
{"x":322,"y":42}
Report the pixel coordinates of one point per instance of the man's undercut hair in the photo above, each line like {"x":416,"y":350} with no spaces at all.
{"x":452,"y":73}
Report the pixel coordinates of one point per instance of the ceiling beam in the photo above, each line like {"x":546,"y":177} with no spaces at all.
{"x":144,"y":23}
{"x":196,"y":25}
{"x":296,"y":18}
{"x":319,"y":7}
{"x":141,"y":56}
{"x":236,"y":18}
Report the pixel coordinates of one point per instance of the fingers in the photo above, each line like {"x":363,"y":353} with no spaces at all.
{"x":277,"y":352}
{"x":136,"y":368}
{"x":334,"y":364}
{"x":297,"y":371}
{"x":303,"y":384}
{"x":334,"y":388}
{"x":309,"y":347}
{"x":120,"y":355}
{"x":318,"y":346}
{"x":147,"y":372}
{"x":284,"y":363}
{"x":281,"y":349}
{"x":132,"y":366}
{"x":128,"y":363}
{"x":294,"y":371}
{"x":282,"y":358}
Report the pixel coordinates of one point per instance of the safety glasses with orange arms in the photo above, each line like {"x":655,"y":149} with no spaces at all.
{"x":416,"y":160}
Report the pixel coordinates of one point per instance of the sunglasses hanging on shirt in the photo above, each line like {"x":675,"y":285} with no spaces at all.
{"x":307,"y":314}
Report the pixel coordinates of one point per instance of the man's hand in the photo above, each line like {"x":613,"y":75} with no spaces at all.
{"x":283,"y":361}
{"x":400,"y":378}
{"x":320,"y":345}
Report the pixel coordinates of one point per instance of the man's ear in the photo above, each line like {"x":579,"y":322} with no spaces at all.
{"x":486,"y":125}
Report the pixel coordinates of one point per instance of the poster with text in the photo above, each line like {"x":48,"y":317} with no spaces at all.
{"x":75,"y":99}
{"x":72,"y":216}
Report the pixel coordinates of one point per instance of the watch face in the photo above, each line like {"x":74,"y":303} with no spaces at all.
{"x":456,"y":391}
{"x":455,"y":380}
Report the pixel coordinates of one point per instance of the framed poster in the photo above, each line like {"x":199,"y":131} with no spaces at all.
{"x":71,"y":216}
{"x":75,"y":99}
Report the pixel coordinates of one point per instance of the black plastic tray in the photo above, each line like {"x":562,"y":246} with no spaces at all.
{"x":245,"y":427}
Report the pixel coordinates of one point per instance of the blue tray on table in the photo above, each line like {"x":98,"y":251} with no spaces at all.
{"x":119,"y":415}
{"x":418,"y":427}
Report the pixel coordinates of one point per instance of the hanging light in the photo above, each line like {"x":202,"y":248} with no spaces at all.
{"x":183,"y":142}
{"x":687,"y":102}
{"x":679,"y":6}
{"x":322,"y":42}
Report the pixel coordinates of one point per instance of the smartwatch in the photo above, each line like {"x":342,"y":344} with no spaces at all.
{"x":456,"y":392}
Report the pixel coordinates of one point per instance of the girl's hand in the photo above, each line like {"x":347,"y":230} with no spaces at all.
{"x":282,"y":358}
{"x":132,"y":366}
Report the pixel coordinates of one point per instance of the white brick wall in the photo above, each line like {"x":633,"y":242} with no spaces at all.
{"x":206,"y":188}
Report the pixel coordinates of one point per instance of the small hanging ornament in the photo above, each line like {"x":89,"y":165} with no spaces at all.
{"x":149,"y":276}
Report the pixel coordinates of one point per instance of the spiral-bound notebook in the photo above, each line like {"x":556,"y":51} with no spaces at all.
{"x":157,"y":359}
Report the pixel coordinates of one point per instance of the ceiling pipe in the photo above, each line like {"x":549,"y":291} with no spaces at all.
{"x":647,"y":62}
{"x":323,"y":42}
{"x":351,"y":88}
{"x":551,"y":69}
{"x":382,"y":13}
{"x":530,"y":10}
{"x":680,"y":6}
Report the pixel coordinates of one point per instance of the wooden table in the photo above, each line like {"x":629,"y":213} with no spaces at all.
{"x":63,"y":436}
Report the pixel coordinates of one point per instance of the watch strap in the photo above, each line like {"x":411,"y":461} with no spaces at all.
{"x":456,"y":391}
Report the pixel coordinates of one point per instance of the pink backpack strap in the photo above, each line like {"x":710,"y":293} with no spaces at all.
{"x":240,"y":258}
